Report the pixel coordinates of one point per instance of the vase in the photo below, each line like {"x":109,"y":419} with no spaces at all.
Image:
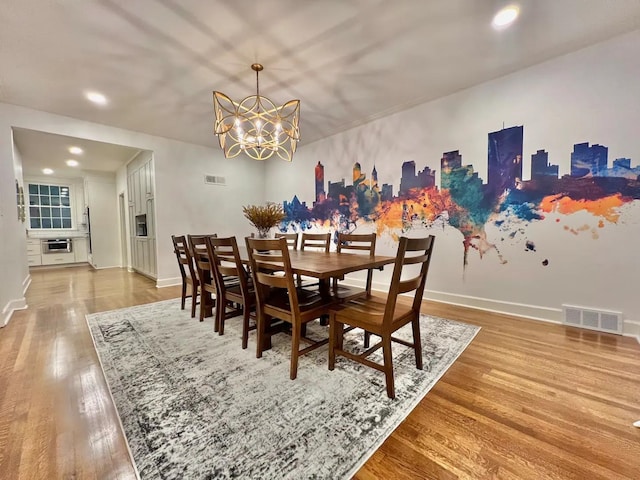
{"x":264,"y":232}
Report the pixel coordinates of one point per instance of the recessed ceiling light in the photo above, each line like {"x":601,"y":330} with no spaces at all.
{"x":505,"y":17}
{"x":72,"y":163}
{"x":76,"y":150}
{"x":47,"y":171}
{"x":96,"y":97}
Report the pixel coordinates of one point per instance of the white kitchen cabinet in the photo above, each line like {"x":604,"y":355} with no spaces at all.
{"x":34,"y":252}
{"x":35,"y":257}
{"x":148,"y":179}
{"x":57,"y":258}
{"x":34,"y":247}
{"x":140,"y":192}
{"x":34,"y":260}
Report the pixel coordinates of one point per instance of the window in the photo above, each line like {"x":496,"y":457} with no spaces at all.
{"x":49,"y":206}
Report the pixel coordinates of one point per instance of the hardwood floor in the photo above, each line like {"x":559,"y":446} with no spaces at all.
{"x":525,"y":400}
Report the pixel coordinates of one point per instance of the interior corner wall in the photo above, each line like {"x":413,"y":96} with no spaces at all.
{"x":14,"y":258}
{"x":17,"y":167}
{"x":580,"y":258}
{"x":184,"y":203}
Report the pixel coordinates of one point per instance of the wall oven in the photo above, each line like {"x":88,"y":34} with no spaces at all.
{"x":57,"y":245}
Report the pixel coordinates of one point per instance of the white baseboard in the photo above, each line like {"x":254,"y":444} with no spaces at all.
{"x":26,"y":283}
{"x":12,"y":306}
{"x":631,"y":328}
{"x":534,"y":312}
{"x":168,"y":282}
{"x":104,"y":268}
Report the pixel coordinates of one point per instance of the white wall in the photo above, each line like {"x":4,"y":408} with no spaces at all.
{"x":17,"y":166}
{"x":121,"y":188}
{"x":184,"y":204}
{"x":592,"y":95}
{"x":14,"y":278}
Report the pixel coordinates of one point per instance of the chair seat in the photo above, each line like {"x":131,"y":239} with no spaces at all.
{"x":345,"y":293}
{"x":235,"y":292}
{"x":368,"y":313}
{"x":307,"y":300}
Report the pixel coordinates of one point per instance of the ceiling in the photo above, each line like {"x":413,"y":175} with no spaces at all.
{"x":44,"y":150}
{"x":348,"y":61}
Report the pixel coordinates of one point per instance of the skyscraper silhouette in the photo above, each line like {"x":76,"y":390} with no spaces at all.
{"x":505,"y":160}
{"x":319,"y":173}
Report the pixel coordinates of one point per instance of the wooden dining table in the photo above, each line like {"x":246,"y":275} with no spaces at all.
{"x":324,"y":266}
{"x":317,"y":264}
{"x":327,"y":265}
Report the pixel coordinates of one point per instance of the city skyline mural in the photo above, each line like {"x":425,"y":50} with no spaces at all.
{"x":464,"y":202}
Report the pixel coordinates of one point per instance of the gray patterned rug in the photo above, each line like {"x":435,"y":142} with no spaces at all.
{"x":195,"y":405}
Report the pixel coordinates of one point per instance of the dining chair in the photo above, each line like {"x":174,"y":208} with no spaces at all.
{"x":313,"y":241}
{"x":279,"y":297}
{"x":383,"y":317}
{"x":292,"y":239}
{"x":198,"y":246}
{"x":349,"y":243}
{"x":234,"y":290}
{"x":188,"y":274}
{"x":316,"y":241}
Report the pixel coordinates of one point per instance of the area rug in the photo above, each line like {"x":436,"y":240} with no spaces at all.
{"x":194,"y":405}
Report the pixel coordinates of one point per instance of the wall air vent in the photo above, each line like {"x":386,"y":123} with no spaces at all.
{"x":214,"y":180}
{"x":601,"y":320}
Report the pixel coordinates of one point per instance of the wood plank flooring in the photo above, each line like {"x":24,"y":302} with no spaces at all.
{"x":526,"y":400}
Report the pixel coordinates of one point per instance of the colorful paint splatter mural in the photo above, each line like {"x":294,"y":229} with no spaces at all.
{"x":466,"y":203}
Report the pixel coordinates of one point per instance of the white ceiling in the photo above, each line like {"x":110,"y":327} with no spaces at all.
{"x":44,"y":150}
{"x":348,"y":61}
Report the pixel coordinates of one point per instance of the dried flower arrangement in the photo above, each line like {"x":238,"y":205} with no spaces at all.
{"x":264,"y":217}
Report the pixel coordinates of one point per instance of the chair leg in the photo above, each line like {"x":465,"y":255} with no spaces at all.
{"x":332,"y":341}
{"x":339,"y":335}
{"x":194,"y":297}
{"x":219,"y":318}
{"x":388,"y":365}
{"x":260,"y":326}
{"x":367,"y":339}
{"x":295,"y":348}
{"x":184,"y":295}
{"x":203,"y":306}
{"x":417,"y":342}
{"x":245,"y":325}
{"x":222,"y":301}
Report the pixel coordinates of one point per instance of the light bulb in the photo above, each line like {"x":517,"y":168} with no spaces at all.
{"x":505,"y":17}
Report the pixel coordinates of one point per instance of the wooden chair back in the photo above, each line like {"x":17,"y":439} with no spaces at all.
{"x":185,"y":260}
{"x":234,"y":295}
{"x":198,"y":246}
{"x":225,"y":263}
{"x":348,"y":242}
{"x":268,"y":256}
{"x":411,"y":251}
{"x":318,"y":241}
{"x":292,"y":239}
{"x":187,"y":271}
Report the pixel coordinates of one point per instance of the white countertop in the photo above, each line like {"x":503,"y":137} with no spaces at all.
{"x":32,"y":234}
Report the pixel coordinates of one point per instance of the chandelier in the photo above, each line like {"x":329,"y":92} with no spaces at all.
{"x":255,"y":126}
